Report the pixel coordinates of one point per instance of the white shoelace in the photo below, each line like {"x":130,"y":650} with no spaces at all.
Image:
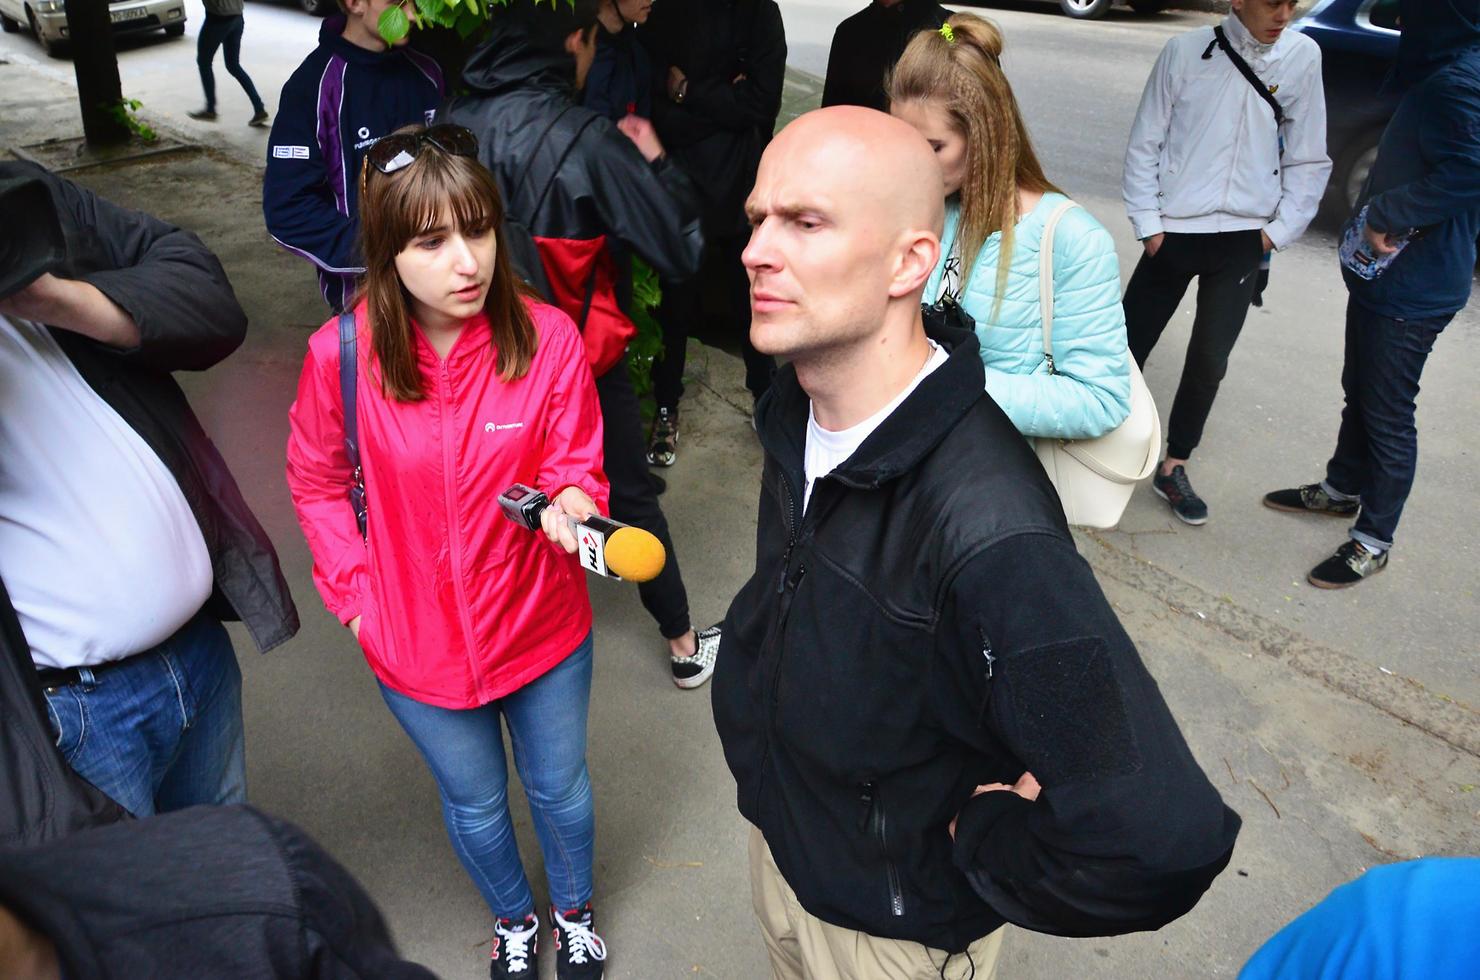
{"x":581,"y":940}
{"x":514,"y":944}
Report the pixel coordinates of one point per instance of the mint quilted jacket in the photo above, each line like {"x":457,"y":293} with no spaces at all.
{"x":1090,"y":394}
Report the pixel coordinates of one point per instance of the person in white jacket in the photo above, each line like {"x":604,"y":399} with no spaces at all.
{"x":1214,"y":178}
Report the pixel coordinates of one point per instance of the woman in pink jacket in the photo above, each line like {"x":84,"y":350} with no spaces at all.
{"x":464,"y":387}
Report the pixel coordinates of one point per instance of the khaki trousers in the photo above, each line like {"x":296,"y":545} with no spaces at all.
{"x":803,"y":947}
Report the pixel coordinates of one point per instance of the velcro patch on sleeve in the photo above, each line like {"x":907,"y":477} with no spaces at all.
{"x":1070,"y":712}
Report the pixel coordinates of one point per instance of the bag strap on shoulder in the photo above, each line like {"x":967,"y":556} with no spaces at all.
{"x":1220,"y":40}
{"x":348,"y":364}
{"x":1045,"y":278}
{"x":347,"y":387}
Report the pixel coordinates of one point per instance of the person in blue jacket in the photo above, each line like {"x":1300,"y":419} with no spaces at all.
{"x":950,"y":86}
{"x":1417,"y":920}
{"x":352,"y":90}
{"x":620,"y":81}
{"x":1422,"y":207}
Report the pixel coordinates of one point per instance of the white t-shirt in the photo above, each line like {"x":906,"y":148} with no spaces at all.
{"x":98,"y":547}
{"x":826,"y":451}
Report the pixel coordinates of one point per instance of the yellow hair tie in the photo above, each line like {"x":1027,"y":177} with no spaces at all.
{"x":947,"y":33}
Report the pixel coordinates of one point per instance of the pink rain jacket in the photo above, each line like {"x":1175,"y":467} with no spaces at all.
{"x":459,"y":606}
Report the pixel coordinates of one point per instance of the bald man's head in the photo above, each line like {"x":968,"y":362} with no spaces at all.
{"x":847,"y":213}
{"x":883,"y":160}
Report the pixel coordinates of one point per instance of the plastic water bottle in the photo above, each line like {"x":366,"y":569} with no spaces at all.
{"x":1357,"y":253}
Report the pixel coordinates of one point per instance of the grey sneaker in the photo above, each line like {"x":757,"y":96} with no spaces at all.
{"x":1351,"y":563}
{"x":691,"y":672}
{"x":1311,"y":499}
{"x":206,"y":114}
{"x":1177,"y":490}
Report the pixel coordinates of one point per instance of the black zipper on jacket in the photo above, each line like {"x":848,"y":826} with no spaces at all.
{"x":874,"y":820}
{"x":793,"y":530}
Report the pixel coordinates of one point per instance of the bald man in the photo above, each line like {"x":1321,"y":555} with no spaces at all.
{"x":936,"y":723}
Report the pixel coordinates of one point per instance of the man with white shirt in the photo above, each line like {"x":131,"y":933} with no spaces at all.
{"x":124,"y":541}
{"x":1222,"y":167}
{"x":921,"y":652}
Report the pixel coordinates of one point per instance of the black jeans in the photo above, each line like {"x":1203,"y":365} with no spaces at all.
{"x":225,"y":33}
{"x":1226,"y":265}
{"x":634,"y":499}
{"x":683,"y":306}
{"x":1377,"y":447}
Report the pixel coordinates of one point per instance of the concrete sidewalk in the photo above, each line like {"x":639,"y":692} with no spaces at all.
{"x":1334,"y":767}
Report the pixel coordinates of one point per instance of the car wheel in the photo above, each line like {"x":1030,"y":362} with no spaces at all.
{"x":8,"y":25}
{"x":1147,"y":7}
{"x":53,"y":48}
{"x":1354,"y":171}
{"x":174,"y":30}
{"x":1085,"y":9}
{"x":319,"y":8}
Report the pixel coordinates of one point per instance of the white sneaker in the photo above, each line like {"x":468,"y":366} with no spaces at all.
{"x":692,"y":671}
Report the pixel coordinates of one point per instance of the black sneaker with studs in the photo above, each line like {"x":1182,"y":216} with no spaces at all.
{"x":516,"y":947}
{"x":1176,"y":489}
{"x":692,"y":671}
{"x":663,"y":439}
{"x":1352,"y":562}
{"x":1311,"y":499}
{"x":579,"y":952}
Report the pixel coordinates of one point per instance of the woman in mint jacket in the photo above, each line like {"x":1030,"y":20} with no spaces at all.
{"x":949,"y":85}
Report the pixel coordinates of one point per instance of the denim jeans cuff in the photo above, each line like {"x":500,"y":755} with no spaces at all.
{"x":1369,"y":542}
{"x":1338,"y":495}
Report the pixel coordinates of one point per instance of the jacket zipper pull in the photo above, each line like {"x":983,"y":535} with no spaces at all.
{"x":866,"y":796}
{"x":986,"y":651}
{"x":785,"y":568}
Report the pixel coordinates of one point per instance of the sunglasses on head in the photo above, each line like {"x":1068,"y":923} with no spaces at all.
{"x":399,"y":150}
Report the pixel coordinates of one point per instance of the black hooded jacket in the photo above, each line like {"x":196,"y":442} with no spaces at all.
{"x":574,"y":180}
{"x":925,"y":627}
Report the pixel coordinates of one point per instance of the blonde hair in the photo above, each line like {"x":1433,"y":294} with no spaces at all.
{"x":963,"y":75}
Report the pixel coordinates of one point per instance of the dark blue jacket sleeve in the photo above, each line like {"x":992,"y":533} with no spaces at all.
{"x":298,"y":203}
{"x":1449,"y":139}
{"x":599,"y":92}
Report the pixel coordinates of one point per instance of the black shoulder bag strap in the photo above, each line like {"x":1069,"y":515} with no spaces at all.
{"x":540,"y":202}
{"x":1220,"y":40}
{"x":347,"y":370}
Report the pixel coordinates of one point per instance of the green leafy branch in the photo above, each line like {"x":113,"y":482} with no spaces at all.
{"x":647,"y":346}
{"x":123,"y":113}
{"x":466,"y":17}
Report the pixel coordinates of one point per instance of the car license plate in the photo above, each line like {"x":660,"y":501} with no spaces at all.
{"x":136,"y":13}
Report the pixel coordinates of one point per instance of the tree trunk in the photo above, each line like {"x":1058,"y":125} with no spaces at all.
{"x":90,"y":32}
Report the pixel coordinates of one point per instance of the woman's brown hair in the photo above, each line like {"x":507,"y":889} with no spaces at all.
{"x":964,"y":76}
{"x":396,"y":208}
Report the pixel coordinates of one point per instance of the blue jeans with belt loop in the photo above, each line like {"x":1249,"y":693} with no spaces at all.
{"x":161,"y":730}
{"x":465,"y":751}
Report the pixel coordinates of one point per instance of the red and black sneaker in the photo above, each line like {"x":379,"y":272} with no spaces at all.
{"x":579,"y":952}
{"x":516,"y":947}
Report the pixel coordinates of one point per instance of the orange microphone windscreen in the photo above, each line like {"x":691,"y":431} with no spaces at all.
{"x":635,"y":554}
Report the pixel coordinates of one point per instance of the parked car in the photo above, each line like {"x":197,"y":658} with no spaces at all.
{"x":47,"y":19}
{"x":1091,"y":9}
{"x":1359,"y":44}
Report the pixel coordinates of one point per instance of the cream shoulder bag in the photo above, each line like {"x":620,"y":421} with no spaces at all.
{"x":1095,"y":477}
